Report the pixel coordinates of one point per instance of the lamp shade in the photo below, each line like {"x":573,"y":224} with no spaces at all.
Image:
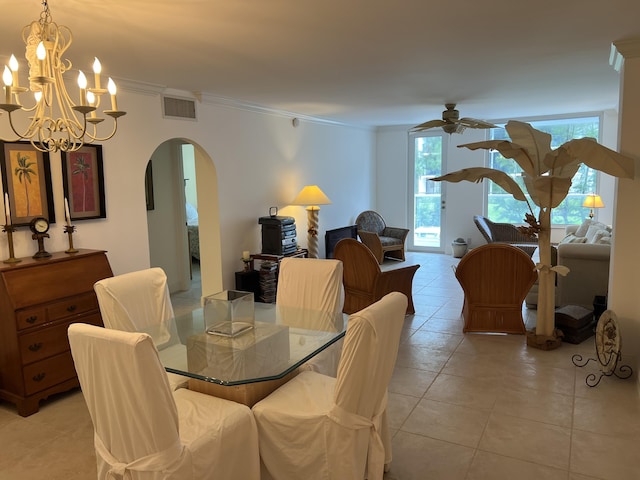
{"x":311,"y":195}
{"x":593,"y":201}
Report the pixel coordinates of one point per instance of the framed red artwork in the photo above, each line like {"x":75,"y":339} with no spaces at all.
{"x":83,"y":182}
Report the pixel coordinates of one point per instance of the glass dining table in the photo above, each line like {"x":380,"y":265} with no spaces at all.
{"x":247,"y":367}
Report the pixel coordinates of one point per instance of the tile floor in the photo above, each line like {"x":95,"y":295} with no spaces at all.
{"x":461,"y":406}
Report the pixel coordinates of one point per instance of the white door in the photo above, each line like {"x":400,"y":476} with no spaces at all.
{"x":426,"y":198}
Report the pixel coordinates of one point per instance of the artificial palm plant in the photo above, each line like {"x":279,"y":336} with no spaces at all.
{"x":547,"y":177}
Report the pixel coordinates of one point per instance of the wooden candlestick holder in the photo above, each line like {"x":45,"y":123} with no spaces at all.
{"x":10,"y":229}
{"x":69,"y":229}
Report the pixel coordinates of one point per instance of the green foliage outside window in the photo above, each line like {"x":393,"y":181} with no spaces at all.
{"x":428,"y":164}
{"x":502,"y":207}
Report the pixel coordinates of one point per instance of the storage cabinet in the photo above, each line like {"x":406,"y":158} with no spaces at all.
{"x":39,"y":299}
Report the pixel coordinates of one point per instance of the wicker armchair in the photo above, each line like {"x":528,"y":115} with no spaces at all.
{"x":495,"y":279}
{"x":383,"y":241}
{"x":364,"y":282}
{"x":505,"y":233}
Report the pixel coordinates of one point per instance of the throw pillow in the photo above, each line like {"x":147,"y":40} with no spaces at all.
{"x":601,"y":235}
{"x":582,"y":229}
{"x":571,"y":238}
{"x":604,"y":241}
{"x":593,"y":230}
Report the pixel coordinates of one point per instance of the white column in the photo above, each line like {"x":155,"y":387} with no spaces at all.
{"x":624,"y":279}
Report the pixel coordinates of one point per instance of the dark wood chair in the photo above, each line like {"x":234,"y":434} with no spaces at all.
{"x":383,"y":241}
{"x":364,"y":282}
{"x":495,"y":278}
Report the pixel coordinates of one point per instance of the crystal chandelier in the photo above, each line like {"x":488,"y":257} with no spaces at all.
{"x":54,"y":122}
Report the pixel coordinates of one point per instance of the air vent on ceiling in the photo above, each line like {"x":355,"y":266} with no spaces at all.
{"x":179,"y":107}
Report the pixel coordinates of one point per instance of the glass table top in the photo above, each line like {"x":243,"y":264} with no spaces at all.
{"x":281,"y":340}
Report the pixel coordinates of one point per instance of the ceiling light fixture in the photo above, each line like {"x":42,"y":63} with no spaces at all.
{"x":55,"y":122}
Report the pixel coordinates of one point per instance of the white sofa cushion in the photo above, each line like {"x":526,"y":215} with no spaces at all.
{"x":571,"y":238}
{"x":582,"y":229}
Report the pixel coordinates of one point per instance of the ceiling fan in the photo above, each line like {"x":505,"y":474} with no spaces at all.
{"x":452,"y":123}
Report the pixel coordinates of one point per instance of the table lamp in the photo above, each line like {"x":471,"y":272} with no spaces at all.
{"x":592,"y":201}
{"x":311,"y":196}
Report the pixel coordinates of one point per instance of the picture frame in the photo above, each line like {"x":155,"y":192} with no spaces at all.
{"x":26,"y":182}
{"x":83,"y":183}
{"x":148,"y":186}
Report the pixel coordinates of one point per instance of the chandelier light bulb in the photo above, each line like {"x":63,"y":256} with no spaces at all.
{"x":13,"y":65}
{"x":97,"y":69}
{"x":41,"y":54}
{"x":82,"y":83}
{"x":7,"y":77}
{"x":111,"y":86}
{"x":82,"y":80}
{"x":38,"y":96}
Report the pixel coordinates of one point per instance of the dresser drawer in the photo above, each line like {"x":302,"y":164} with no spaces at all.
{"x":72,"y":306}
{"x":30,"y":317}
{"x":48,"y":372}
{"x":49,"y":341}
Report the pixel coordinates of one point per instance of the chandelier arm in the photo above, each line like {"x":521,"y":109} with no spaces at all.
{"x":95,"y":138}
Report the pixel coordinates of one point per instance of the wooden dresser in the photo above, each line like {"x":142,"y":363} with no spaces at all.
{"x":39,"y":299}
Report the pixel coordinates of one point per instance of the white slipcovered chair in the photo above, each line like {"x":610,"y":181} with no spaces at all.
{"x":145,"y":431}
{"x":319,"y":427}
{"x":310,"y":296}
{"x":138,"y":301}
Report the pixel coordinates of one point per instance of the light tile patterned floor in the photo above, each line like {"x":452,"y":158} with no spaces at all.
{"x":467,"y":407}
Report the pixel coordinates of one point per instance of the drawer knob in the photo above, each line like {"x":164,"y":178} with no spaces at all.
{"x":39,"y":377}
{"x":32,"y":319}
{"x":71,"y":308}
{"x":34,"y":347}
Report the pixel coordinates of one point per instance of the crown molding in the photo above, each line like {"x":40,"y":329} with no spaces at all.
{"x":628,"y":47}
{"x":217,"y":100}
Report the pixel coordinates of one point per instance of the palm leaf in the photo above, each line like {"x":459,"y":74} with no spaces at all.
{"x":477,"y":174}
{"x":507,"y":150}
{"x":594,"y":155}
{"x":536,"y":143}
{"x":548,"y":191}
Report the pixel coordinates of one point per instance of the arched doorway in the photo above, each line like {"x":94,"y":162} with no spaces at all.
{"x":169,"y":245}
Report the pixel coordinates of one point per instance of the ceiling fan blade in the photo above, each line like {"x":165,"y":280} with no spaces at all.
{"x":427,"y":125}
{"x":475,"y":123}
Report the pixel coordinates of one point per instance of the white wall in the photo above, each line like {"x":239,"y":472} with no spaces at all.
{"x":624,"y":280}
{"x":260,"y":160}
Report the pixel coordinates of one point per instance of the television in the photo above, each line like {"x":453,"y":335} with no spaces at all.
{"x":332,"y":237}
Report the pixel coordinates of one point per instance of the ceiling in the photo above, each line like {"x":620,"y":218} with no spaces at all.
{"x":361,"y":62}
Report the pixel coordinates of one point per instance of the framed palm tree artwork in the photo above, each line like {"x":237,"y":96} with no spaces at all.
{"x":83,"y":183}
{"x":26,"y":183}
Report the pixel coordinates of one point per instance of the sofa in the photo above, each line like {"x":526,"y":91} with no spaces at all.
{"x":585,"y":251}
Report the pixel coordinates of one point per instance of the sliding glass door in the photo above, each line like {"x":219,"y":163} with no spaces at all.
{"x":426,"y":198}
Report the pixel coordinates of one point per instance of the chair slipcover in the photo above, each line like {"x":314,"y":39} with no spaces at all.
{"x":364,"y":282}
{"x":143,"y":430}
{"x":140,"y":301}
{"x":316,"y":426}
{"x":310,"y":296}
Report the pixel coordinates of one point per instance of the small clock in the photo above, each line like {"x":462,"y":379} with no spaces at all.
{"x":39,"y":225}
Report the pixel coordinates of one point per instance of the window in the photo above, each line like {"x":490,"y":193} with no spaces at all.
{"x":502,"y":207}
